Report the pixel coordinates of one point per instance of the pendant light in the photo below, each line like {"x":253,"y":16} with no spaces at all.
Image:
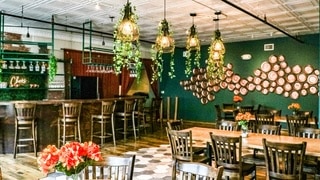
{"x":126,"y":46}
{"x":28,"y":34}
{"x":215,"y":62}
{"x":192,"y":44}
{"x":103,"y":42}
{"x":128,"y":29}
{"x":164,"y":44}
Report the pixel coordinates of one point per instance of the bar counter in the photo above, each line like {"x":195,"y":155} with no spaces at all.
{"x":47,"y":112}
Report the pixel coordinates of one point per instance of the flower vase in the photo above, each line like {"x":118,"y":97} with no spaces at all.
{"x":294,"y":113}
{"x":78,"y":176}
{"x":244,"y":131}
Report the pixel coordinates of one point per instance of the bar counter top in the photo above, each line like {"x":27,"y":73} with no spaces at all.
{"x":47,"y":112}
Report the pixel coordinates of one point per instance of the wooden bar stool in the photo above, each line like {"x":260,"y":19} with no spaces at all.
{"x":69,"y":121}
{"x":101,"y":120}
{"x":126,"y":115}
{"x":25,"y":122}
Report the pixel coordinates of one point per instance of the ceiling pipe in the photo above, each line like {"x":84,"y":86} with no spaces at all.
{"x":262,"y":20}
{"x":67,"y":26}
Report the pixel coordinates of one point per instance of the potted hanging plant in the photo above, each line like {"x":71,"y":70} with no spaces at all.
{"x":164,"y":44}
{"x":126,"y":45}
{"x":193,"y":44}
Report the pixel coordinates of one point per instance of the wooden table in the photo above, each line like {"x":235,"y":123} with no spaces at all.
{"x":254,"y":140}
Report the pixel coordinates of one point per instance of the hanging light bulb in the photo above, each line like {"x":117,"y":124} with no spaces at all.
{"x":128,"y":29}
{"x":193,"y":41}
{"x":215,"y":62}
{"x":28,"y":34}
{"x":103,"y":43}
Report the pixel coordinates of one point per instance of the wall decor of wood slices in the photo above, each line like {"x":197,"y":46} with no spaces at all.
{"x":273,"y":76}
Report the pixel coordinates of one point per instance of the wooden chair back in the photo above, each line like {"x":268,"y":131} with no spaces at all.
{"x":107,"y":108}
{"x":71,"y":110}
{"x":276,"y":112}
{"x":175,"y":125}
{"x":25,"y":112}
{"x":194,"y":170}
{"x":113,"y":167}
{"x":181,"y":144}
{"x":228,"y":125}
{"x":244,"y":109}
{"x":264,"y":119}
{"x":307,"y":132}
{"x":225,"y":151}
{"x":294,"y":122}
{"x":305,"y":113}
{"x":284,"y":160}
{"x":268,"y":129}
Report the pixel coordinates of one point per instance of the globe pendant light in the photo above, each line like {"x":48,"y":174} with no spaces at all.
{"x":128,"y":29}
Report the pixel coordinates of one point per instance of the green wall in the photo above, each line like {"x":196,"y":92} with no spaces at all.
{"x":190,"y":107}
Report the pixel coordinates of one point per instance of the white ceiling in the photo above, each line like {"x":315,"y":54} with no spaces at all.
{"x":295,"y":17}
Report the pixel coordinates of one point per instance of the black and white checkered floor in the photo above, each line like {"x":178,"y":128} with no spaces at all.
{"x":152,"y":163}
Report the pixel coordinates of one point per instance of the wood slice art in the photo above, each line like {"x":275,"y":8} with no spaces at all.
{"x":231,"y":87}
{"x":257,"y":72}
{"x":258,"y":87}
{"x":243,"y":91}
{"x":250,"y":78}
{"x":296,"y":69}
{"x":272,"y":59}
{"x":283,"y":64}
{"x":287,"y":87}
{"x":251,"y":86}
{"x":235,"y":78}
{"x":312,"y":79}
{"x":304,"y":92}
{"x":281,"y":58}
{"x":272,"y":75}
{"x":211,"y":97}
{"x":287,"y":70}
{"x":265,"y":66}
{"x":301,"y":77}
{"x":279,"y":90}
{"x":281,"y":73}
{"x":291,"y":78}
{"x":308,"y":69}
{"x":216,"y":88}
{"x":294,"y":95}
{"x":276,"y":67}
{"x":263,"y":75}
{"x":313,"y":90}
{"x":229,"y":66}
{"x":264,"y":91}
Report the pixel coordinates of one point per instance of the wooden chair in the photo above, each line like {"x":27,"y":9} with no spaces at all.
{"x":153,"y":112}
{"x":305,"y":113}
{"x":175,"y":125}
{"x":193,"y":170}
{"x":244,"y":109}
{"x":231,"y":108}
{"x":126,"y":115}
{"x":294,"y":122}
{"x":264,"y":119}
{"x":227,"y":152}
{"x":311,"y":164}
{"x":219,"y":112}
{"x":25,"y":127}
{"x":113,"y":167}
{"x":182,"y":150}
{"x":228,"y":125}
{"x":284,"y":160}
{"x":139,"y":116}
{"x":101,"y":120}
{"x":257,"y":157}
{"x":69,"y":123}
{"x":178,"y":125}
{"x":276,"y":112}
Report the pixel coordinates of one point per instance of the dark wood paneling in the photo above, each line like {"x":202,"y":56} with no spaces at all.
{"x":108,"y":82}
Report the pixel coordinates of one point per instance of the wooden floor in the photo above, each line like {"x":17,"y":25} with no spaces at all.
{"x":25,"y":165}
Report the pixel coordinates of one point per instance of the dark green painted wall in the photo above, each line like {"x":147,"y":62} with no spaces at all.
{"x":190,"y":107}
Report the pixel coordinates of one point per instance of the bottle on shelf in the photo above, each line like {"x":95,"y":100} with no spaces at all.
{"x":30,"y":66}
{"x":37,"y":67}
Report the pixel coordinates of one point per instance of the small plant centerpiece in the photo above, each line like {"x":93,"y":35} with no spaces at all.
{"x":243,"y":120}
{"x":295,"y":107}
{"x":70,"y":159}
{"x":126,"y":45}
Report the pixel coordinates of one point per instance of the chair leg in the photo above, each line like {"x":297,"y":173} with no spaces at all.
{"x":34,"y":140}
{"x":91,"y":129}
{"x":134,"y":127}
{"x":113,"y":131}
{"x":16,"y":134}
{"x":79,"y":131}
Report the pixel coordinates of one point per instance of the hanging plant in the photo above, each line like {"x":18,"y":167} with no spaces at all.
{"x":164,"y":44}
{"x":215,"y":62}
{"x":193,"y":44}
{"x":126,"y":46}
{"x":52,"y":67}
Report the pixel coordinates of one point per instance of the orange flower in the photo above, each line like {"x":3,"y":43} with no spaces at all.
{"x":72,"y":158}
{"x":294,"y":106}
{"x":237,"y":98}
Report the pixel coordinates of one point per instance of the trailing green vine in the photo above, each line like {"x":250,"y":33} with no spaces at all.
{"x":197,"y":56}
{"x":126,"y":52}
{"x":157,"y":51}
{"x":52,"y":67}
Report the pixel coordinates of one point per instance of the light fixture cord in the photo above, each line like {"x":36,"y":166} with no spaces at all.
{"x":22,"y":16}
{"x":164,"y":9}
